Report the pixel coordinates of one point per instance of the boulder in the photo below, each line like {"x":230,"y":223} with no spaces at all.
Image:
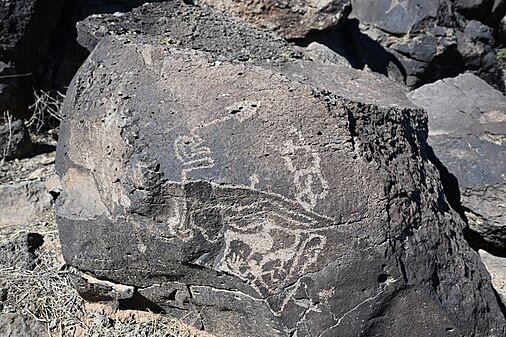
{"x":290,"y":19}
{"x":27,"y":202}
{"x":25,"y":30}
{"x":273,"y":200}
{"x":467,"y":130}
{"x":15,"y":142}
{"x":430,"y":39}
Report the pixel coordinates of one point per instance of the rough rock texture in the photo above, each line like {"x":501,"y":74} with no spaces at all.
{"x":176,"y":24}
{"x":25,"y":29}
{"x":429,"y":38}
{"x":296,"y":200}
{"x":26,"y":202}
{"x":359,"y":50}
{"x":490,"y":12}
{"x":16,"y":325}
{"x":496,"y":266}
{"x":467,"y":130}
{"x":290,"y":19}
{"x":15,"y":140}
{"x":20,"y":252}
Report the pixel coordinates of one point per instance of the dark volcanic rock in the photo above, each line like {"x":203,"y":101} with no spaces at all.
{"x":176,"y":24}
{"x":15,"y":140}
{"x":290,"y":200}
{"x":430,"y":39}
{"x":490,"y":12}
{"x":25,"y":29}
{"x":20,"y":252}
{"x":290,"y":19}
{"x":467,"y":129}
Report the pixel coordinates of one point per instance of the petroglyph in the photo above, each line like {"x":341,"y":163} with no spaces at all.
{"x":192,"y":152}
{"x":190,"y":148}
{"x":269,"y":243}
{"x":304,"y":163}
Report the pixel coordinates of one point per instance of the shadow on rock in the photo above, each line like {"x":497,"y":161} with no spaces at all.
{"x":359,"y":50}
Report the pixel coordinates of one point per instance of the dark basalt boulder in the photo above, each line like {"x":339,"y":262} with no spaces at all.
{"x":25,"y":30}
{"x":467,"y":130}
{"x":430,"y":39}
{"x":281,"y":200}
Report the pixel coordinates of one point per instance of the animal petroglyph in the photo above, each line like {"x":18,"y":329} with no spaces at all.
{"x":304,"y":163}
{"x":267,"y":248}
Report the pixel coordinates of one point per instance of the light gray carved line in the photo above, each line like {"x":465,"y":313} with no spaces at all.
{"x":262,"y":243}
{"x":309,"y":179}
{"x":190,"y":148}
{"x":349,"y":312}
{"x":275,"y":195}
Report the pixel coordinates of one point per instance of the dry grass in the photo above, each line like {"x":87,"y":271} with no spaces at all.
{"x":46,"y":294}
{"x":46,"y":110}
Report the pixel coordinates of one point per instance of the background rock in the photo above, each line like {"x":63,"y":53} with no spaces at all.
{"x":290,"y":199}
{"x":15,"y":140}
{"x":25,"y":30}
{"x":496,"y":266}
{"x":289,"y":19}
{"x":467,"y":128}
{"x":490,"y":12}
{"x":430,"y":39}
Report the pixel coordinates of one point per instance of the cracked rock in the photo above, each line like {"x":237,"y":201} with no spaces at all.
{"x":289,"y":199}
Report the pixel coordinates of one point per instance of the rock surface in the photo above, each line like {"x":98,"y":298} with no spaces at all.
{"x":294,"y":199}
{"x":15,"y":140}
{"x":290,"y":19}
{"x":490,"y":12}
{"x":20,"y":252}
{"x":25,"y":30}
{"x":467,"y":130}
{"x":176,"y":24}
{"x":496,"y":266}
{"x":16,"y":325}
{"x":429,"y":38}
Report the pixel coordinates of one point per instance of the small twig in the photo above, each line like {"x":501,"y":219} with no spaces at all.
{"x":8,"y":117}
{"x":16,"y":75}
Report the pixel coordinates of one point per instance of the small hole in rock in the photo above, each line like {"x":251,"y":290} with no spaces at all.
{"x":382,"y":278}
